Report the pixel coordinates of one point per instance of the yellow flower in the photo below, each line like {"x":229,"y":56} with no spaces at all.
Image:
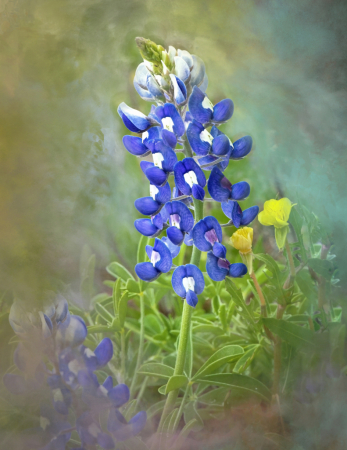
{"x":242,"y":240}
{"x":276,"y":213}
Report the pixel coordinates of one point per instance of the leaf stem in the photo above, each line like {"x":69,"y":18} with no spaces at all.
{"x":122,"y":343}
{"x":262,"y":304}
{"x":141,"y":344}
{"x":290,"y":280}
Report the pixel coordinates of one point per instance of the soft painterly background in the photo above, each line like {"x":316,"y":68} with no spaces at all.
{"x":66,"y":179}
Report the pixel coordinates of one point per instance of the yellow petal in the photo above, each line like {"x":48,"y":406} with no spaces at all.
{"x":286,"y":206}
{"x":265,"y":218}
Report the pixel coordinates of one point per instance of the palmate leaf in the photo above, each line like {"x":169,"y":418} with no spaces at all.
{"x":118,"y":271}
{"x":157,"y":370}
{"x":218,"y":359}
{"x":277,"y":278}
{"x":246,"y":358}
{"x":239,"y":385}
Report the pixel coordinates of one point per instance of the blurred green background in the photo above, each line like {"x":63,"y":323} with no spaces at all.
{"x":66,"y":179}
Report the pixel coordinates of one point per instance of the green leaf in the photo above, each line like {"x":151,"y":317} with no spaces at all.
{"x":116,"y":294}
{"x":176,"y":382}
{"x":87,"y":280}
{"x":99,"y":329}
{"x":246,"y":359}
{"x":223,"y":316}
{"x":122,"y":308}
{"x":293,"y":334}
{"x":208,"y":329}
{"x":133,"y":286}
{"x":162,"y":389}
{"x":118,"y":271}
{"x":215,"y":397}
{"x":237,"y":297}
{"x":323,"y":267}
{"x":102,"y":311}
{"x":218,"y":359}
{"x":281,"y":236}
{"x":297,"y":221}
{"x":239,"y":385}
{"x":277,"y":275}
{"x":157,"y":370}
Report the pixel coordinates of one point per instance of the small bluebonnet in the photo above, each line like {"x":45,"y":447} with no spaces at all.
{"x":203,"y":110}
{"x":221,"y":189}
{"x":135,"y":146}
{"x":146,"y":85}
{"x":238,"y":217}
{"x":189,"y":178}
{"x":164,"y":160}
{"x":134,"y":120}
{"x":241,"y":147}
{"x":91,"y":433}
{"x":188,"y":282}
{"x":170,"y":119}
{"x":202,"y":142}
{"x":152,"y":227}
{"x":161,"y":262}
{"x":218,"y":268}
{"x":123,"y":430}
{"x":179,"y":90}
{"x":174,"y":249}
{"x":207,"y":235}
{"x":149,"y":206}
{"x":181,"y":221}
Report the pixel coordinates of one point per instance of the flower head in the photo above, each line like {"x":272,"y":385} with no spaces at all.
{"x":189,"y":178}
{"x":188,"y":281}
{"x":242,"y":240}
{"x":161,"y":262}
{"x":276,"y":213}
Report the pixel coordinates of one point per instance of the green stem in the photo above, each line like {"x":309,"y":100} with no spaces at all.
{"x":141,"y":344}
{"x":290,"y":280}
{"x":185,"y":326}
{"x":122,"y":343}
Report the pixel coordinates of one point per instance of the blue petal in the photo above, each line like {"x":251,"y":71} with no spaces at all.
{"x":147,"y":206}
{"x":200,"y":147}
{"x":174,"y":249}
{"x":242,"y":147}
{"x":191,"y":165}
{"x":201,"y":114}
{"x":232,"y":210}
{"x":169,"y":138}
{"x":153,"y":87}
{"x":237,"y":270}
{"x":218,"y":186}
{"x":223,"y":110}
{"x":104,"y":352}
{"x":158,"y":221}
{"x":219,"y":250}
{"x":193,"y":271}
{"x":170,"y":158}
{"x":105,"y":441}
{"x":191,"y":298}
{"x":214,"y":271}
{"x":135,"y":146}
{"x":152,"y":134}
{"x":179,"y":89}
{"x":156,"y":176}
{"x":146,"y":272}
{"x":164,"y":194}
{"x":140,"y":78}
{"x":249,"y":215}
{"x":136,"y":118}
{"x":198,"y":235}
{"x":130,"y":125}
{"x":187,"y":218}
{"x":212,"y":223}
{"x":61,"y":309}
{"x":181,"y":184}
{"x":198,"y":192}
{"x":83,"y":424}
{"x":220,"y":145}
{"x":188,"y":240}
{"x":181,"y":68}
{"x":176,"y":281}
{"x":138,"y":422}
{"x":119,"y":395}
{"x":240,"y":191}
{"x":145,"y":165}
{"x":149,"y":251}
{"x":165,"y":262}
{"x":169,"y":110}
{"x":122,"y":430}
{"x":72,"y":333}
{"x":146,"y":227}
{"x":175,"y":235}
{"x":204,"y":84}
{"x":108,"y":383}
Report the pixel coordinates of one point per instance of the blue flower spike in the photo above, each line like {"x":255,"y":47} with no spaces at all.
{"x":161,"y":262}
{"x":238,"y":217}
{"x":203,"y":110}
{"x":181,"y":221}
{"x":134,"y":120}
{"x":188,"y":282}
{"x":189,"y":178}
{"x":221,"y":189}
{"x":219,"y":268}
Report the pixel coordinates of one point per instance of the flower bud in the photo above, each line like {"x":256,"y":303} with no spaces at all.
{"x":242,"y":240}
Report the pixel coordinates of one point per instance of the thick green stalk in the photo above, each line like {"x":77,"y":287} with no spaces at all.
{"x":123,"y":354}
{"x":185,"y":327}
{"x":141,"y":344}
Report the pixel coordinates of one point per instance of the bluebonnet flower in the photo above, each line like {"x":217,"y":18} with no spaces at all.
{"x":149,"y":206}
{"x":174,"y":249}
{"x":241,"y":147}
{"x":207,"y":235}
{"x":170,"y":119}
{"x":152,"y":227}
{"x":161,"y":262}
{"x":188,"y":282}
{"x":189,"y":178}
{"x":91,"y":433}
{"x":179,"y":90}
{"x":123,"y":430}
{"x":221,"y":161}
{"x":238,"y":217}
{"x":181,"y":221}
{"x":164,"y":161}
{"x":203,"y":142}
{"x":221,"y":189}
{"x":134,"y":120}
{"x":218,"y":268}
{"x":203,"y":110}
{"x":150,"y":137}
{"x":146,"y":85}
{"x":135,"y":146}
